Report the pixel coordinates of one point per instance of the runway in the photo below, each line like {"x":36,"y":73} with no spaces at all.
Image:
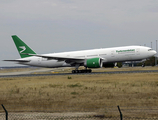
{"x":57,"y":74}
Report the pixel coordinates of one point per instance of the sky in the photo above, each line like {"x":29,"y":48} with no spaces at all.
{"x":49,"y":26}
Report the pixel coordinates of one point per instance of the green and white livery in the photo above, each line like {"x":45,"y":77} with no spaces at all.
{"x":94,"y":58}
{"x":22,"y":47}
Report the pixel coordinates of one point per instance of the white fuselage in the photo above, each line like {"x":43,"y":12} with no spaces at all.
{"x":115,"y":54}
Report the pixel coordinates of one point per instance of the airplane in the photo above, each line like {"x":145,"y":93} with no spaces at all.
{"x":94,"y":58}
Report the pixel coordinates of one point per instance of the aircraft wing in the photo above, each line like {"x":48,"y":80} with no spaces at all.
{"x":17,"y":60}
{"x":68,"y":58}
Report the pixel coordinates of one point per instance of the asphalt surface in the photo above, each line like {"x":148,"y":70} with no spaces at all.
{"x":57,"y":74}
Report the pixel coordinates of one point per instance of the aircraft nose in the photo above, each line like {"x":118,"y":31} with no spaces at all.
{"x":154,"y":52}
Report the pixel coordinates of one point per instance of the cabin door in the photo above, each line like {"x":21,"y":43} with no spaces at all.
{"x":138,"y":51}
{"x":112,"y":53}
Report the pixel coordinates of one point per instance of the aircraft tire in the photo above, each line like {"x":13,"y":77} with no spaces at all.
{"x":89,"y":71}
{"x":73,"y":71}
{"x":82,"y":71}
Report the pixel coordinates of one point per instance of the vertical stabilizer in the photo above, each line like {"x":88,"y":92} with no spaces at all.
{"x":22,"y":47}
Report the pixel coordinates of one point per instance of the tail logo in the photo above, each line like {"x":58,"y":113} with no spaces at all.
{"x":23,"y":48}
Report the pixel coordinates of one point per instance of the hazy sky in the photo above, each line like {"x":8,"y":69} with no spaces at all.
{"x":66,"y":25}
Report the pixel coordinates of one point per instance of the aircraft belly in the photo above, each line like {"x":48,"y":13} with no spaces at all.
{"x":123,"y":57}
{"x":52,"y":63}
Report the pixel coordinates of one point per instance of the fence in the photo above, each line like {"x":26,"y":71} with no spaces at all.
{"x":111,"y":113}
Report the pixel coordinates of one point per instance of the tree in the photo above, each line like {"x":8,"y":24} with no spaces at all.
{"x":150,"y":62}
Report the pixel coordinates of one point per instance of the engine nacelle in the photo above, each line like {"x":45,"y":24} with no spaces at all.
{"x":93,"y":63}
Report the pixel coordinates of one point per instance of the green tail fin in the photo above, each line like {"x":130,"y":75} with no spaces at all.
{"x":22,"y":47}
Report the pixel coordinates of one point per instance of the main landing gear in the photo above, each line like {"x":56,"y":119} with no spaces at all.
{"x":82,"y":71}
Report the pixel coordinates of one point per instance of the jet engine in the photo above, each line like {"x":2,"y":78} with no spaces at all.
{"x":93,"y":63}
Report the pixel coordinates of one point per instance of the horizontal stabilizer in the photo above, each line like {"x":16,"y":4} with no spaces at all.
{"x":17,"y":60}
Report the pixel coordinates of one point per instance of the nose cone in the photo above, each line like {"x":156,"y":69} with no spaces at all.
{"x":154,"y":53}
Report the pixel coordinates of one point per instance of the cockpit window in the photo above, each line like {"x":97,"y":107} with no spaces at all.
{"x":150,"y":49}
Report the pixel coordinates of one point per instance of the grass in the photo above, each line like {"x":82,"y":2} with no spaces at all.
{"x":83,"y":92}
{"x":16,"y":70}
{"x":68,"y":70}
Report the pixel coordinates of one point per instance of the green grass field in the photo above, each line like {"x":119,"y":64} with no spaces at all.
{"x":79,"y":92}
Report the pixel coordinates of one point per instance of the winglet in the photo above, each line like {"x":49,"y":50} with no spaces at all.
{"x":22,"y":47}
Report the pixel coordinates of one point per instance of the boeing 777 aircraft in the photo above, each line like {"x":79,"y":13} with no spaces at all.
{"x":95,"y":58}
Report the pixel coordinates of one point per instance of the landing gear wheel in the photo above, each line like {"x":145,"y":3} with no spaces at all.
{"x":73,"y":71}
{"x":82,"y":71}
{"x":89,"y":71}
